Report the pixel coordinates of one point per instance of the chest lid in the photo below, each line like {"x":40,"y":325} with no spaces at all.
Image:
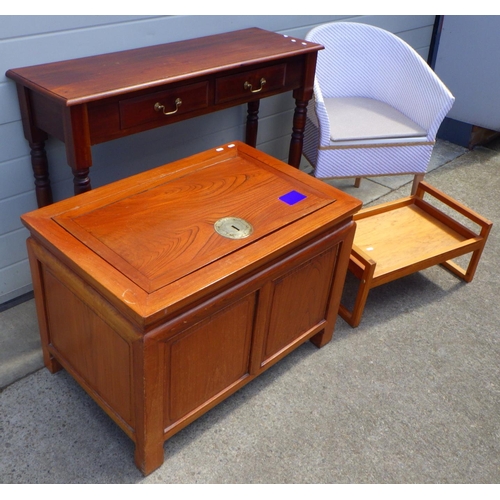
{"x":169,"y":228}
{"x":153,"y":231}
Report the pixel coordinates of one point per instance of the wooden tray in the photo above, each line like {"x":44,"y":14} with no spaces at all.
{"x":401,"y":237}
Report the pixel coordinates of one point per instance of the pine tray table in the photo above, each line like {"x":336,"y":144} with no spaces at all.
{"x":407,"y":235}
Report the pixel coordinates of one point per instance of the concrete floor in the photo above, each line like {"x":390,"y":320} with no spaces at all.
{"x":410,"y":396}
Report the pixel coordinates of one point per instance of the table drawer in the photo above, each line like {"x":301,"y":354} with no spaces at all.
{"x":164,"y":106}
{"x":242,"y":85}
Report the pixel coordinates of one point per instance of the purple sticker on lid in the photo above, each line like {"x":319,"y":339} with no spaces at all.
{"x":292,"y":197}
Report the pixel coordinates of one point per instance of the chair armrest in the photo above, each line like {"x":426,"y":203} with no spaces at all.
{"x":414,"y":89}
{"x":431,"y":102}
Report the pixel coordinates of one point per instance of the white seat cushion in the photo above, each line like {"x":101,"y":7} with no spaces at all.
{"x":360,"y":118}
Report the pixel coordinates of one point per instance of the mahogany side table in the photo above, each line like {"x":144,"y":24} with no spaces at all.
{"x":95,"y":99}
{"x":179,"y":287}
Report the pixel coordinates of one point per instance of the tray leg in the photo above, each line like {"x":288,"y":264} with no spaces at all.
{"x":364,"y":270}
{"x":483,"y":223}
{"x":416,"y":181}
{"x":465,"y":274}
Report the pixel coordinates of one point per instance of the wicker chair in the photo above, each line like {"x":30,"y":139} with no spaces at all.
{"x":377,"y":105}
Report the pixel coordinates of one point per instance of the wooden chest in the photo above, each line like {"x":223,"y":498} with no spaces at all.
{"x":164,"y":293}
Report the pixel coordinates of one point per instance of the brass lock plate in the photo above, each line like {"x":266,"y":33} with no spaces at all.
{"x":233,"y":228}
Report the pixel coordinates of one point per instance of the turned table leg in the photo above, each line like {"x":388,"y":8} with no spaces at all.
{"x":299,"y":123}
{"x":81,"y":180}
{"x":252,"y":123}
{"x":41,"y":173}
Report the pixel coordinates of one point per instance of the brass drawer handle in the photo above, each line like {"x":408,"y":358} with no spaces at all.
{"x":248,"y":86}
{"x":160,"y":107}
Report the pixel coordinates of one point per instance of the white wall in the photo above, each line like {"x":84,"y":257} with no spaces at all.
{"x":468,"y":64}
{"x":28,"y":40}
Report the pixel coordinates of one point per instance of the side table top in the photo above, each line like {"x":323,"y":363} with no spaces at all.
{"x":90,"y":78}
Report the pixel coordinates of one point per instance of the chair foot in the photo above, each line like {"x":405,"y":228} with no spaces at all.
{"x":357,"y":182}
